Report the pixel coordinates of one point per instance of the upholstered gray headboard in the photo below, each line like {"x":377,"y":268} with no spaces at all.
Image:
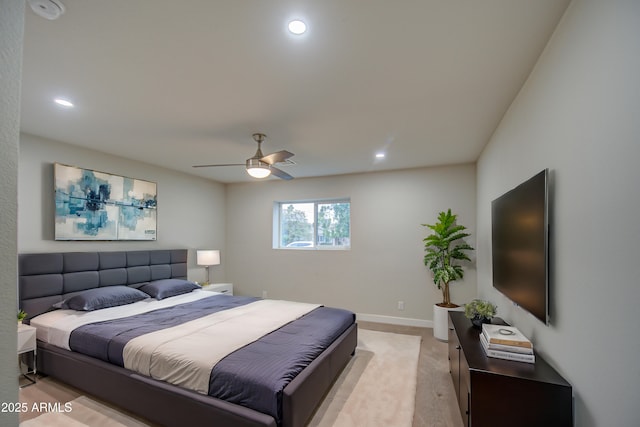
{"x":47,"y":278}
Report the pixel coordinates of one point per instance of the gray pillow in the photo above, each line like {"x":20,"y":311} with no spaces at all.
{"x":108,"y":296}
{"x":165,"y":288}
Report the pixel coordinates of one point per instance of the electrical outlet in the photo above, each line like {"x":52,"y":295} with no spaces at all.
{"x":400,"y":305}
{"x":264,"y":294}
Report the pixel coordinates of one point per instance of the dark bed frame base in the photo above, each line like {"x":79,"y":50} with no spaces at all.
{"x":170,"y":405}
{"x":48,"y":278}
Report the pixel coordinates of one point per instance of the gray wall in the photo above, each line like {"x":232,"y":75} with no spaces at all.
{"x":191,"y":210}
{"x":384,"y":265}
{"x":11,"y":35}
{"x":578,"y":115}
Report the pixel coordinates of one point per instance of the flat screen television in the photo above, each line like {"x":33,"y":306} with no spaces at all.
{"x":520,"y":245}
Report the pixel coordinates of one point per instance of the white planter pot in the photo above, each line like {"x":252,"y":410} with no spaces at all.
{"x":441,"y":321}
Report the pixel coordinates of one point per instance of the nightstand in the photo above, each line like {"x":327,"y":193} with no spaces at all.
{"x":223,"y":288}
{"x":27,"y":344}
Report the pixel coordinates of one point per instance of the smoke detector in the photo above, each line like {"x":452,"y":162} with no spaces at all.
{"x":48,"y":9}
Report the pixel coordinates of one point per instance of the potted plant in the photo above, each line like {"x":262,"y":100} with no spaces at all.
{"x":445,"y":250}
{"x":21,"y":316}
{"x":479,"y":312}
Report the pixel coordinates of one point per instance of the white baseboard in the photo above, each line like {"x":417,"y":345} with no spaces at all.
{"x":392,"y":320}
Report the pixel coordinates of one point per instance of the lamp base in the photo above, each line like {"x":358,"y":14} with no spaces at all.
{"x":208,"y":278}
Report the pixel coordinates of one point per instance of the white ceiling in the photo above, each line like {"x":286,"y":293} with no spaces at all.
{"x":180,"y":83}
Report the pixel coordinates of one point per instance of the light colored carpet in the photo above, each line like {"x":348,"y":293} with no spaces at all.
{"x":377,"y":388}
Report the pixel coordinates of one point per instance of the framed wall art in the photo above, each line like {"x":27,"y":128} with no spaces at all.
{"x":92,"y":205}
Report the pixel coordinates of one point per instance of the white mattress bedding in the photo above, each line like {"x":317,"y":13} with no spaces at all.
{"x":55,"y":326}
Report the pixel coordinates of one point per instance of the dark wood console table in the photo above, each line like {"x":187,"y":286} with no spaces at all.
{"x":501,"y":393}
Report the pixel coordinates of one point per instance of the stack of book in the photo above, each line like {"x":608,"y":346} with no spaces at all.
{"x":506,"y":342}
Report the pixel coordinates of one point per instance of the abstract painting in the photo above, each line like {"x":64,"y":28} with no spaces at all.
{"x":92,"y":205}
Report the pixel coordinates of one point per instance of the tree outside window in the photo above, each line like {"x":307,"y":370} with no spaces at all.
{"x":314,"y":225}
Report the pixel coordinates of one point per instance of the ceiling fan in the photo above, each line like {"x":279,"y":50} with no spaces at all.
{"x":261,"y":166}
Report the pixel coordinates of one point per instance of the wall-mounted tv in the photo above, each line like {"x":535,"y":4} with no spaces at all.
{"x":520,"y":245}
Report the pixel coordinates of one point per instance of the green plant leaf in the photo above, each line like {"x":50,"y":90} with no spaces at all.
{"x":480,"y":308}
{"x":443,"y":247}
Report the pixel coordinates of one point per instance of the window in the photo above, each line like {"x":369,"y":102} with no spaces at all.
{"x":321,"y":224}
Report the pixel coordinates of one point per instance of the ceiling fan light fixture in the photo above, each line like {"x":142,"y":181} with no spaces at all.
{"x":260,"y":166}
{"x":259,"y":172}
{"x":258,"y":169}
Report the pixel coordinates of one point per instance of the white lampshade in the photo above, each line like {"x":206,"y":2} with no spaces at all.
{"x":208,"y":257}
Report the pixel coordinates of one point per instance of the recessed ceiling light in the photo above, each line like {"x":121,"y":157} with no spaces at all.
{"x":297,"y":27}
{"x":380,"y":155}
{"x":63,"y":102}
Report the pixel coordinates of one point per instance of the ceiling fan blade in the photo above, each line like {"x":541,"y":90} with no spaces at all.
{"x":280,"y":173}
{"x":277,"y":157}
{"x":213,"y":166}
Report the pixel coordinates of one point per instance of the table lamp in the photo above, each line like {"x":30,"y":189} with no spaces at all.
{"x":208,"y":257}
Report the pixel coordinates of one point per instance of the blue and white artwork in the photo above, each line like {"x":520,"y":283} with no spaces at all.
{"x":93,"y":205}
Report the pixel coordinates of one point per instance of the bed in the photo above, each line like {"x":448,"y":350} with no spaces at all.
{"x":52,"y":279}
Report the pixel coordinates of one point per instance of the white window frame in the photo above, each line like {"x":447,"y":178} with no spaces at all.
{"x":277,"y":208}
